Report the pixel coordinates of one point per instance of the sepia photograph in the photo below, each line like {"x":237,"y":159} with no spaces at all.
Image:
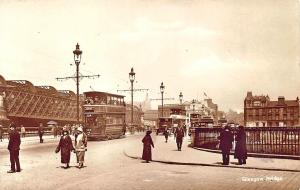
{"x":149,"y":94}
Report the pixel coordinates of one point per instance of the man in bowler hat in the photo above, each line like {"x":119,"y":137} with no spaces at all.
{"x":14,"y":148}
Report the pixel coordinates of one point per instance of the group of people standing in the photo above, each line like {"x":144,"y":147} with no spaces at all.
{"x":65,"y":146}
{"x":226,"y":140}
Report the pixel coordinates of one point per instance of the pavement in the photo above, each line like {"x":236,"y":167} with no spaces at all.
{"x":31,"y":140}
{"x":167,"y":153}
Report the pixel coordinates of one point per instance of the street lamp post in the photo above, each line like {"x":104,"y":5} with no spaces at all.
{"x":162,"y":89}
{"x":77,"y":59}
{"x":180,"y":97}
{"x":132,"y":78}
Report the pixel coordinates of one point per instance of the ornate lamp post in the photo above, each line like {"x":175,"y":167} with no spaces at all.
{"x":180,"y":97}
{"x":162,"y":89}
{"x":131,"y":78}
{"x":77,"y":59}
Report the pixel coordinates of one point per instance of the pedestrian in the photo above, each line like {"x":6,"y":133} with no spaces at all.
{"x":65,"y":147}
{"x":184,"y":129}
{"x":23,"y":131}
{"x":240,"y":148}
{"x":179,"y":137}
{"x":147,"y":141}
{"x":80,"y":146}
{"x":1,"y":133}
{"x":14,"y":148}
{"x":54,"y":130}
{"x":41,"y":132}
{"x":226,"y":139}
{"x":166,"y":133}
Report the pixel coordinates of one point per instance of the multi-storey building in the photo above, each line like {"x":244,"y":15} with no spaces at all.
{"x":260,"y":111}
{"x":137,"y":116}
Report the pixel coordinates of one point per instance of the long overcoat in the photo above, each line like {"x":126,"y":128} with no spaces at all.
{"x":65,"y":147}
{"x":240,"y":148}
{"x":147,"y":154}
{"x":226,"y":139}
{"x":179,"y":134}
{"x":14,"y":141}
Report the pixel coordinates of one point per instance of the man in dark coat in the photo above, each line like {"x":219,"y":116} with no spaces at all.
{"x":65,"y":147}
{"x":147,"y":141}
{"x":226,"y":139}
{"x":14,"y":148}
{"x":179,"y":137}
{"x":166,"y":133}
{"x":240,"y":148}
{"x":41,"y":132}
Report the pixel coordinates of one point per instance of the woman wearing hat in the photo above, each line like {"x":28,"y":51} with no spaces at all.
{"x":147,"y":141}
{"x":66,"y":146}
{"x":241,"y":148}
{"x":80,"y":146}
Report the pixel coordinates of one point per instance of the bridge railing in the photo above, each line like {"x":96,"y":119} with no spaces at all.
{"x":265,"y":140}
{"x":30,"y":131}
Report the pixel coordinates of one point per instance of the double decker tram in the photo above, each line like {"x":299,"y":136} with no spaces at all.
{"x":164,"y":123}
{"x":104,"y":115}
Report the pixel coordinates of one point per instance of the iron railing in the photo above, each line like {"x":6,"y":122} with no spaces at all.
{"x":265,"y":140}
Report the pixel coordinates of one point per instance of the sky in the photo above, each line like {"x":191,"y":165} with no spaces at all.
{"x":221,"y":47}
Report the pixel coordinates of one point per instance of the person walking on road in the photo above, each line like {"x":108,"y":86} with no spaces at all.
{"x":240,"y":148}
{"x":41,"y":132}
{"x":65,"y":147}
{"x":179,"y":137}
{"x":23,"y":131}
{"x":14,"y":148}
{"x":147,"y":141}
{"x":80,"y":146}
{"x":166,"y":133}
{"x":226,"y":139}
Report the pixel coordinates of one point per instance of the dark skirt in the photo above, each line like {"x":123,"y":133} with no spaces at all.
{"x":147,"y":155}
{"x":65,"y":155}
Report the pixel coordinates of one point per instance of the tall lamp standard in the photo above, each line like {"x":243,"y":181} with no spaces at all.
{"x":131,"y":78}
{"x":180,"y":97}
{"x":162,"y":89}
{"x":77,"y":59}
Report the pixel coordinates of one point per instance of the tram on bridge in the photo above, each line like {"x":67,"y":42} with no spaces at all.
{"x":104,"y":115}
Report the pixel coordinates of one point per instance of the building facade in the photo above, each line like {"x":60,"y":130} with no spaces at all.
{"x":260,"y":111}
{"x":137,"y":116}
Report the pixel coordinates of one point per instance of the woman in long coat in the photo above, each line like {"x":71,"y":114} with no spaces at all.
{"x":240,"y":148}
{"x":147,"y":141}
{"x":226,"y":139}
{"x":65,"y":147}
